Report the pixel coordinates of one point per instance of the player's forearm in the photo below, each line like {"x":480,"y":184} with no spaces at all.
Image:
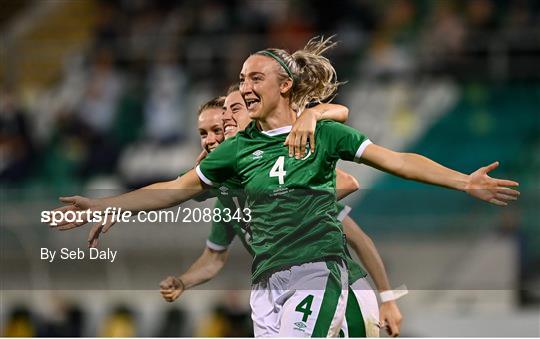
{"x":205,"y":268}
{"x":153,"y":197}
{"x":156,"y":196}
{"x":413,"y":167}
{"x":198,"y":275}
{"x":364,"y":247}
{"x":374,"y":265}
{"x":334,"y":112}
{"x":419,"y":168}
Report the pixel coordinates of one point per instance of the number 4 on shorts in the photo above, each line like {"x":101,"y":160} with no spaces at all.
{"x":305,"y":307}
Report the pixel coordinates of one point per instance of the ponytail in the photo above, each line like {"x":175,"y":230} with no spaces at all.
{"x":314,"y":78}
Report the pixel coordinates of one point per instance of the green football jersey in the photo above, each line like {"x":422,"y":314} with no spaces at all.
{"x":292,"y":201}
{"x":223,"y":233}
{"x":230,"y":196}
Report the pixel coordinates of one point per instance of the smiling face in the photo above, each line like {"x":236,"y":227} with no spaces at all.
{"x":210,"y":128}
{"x":235,"y":114}
{"x":261,"y":86}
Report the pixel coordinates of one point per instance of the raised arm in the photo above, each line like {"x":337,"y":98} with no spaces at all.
{"x":419,"y":168}
{"x":205,"y":268}
{"x":304,"y":127}
{"x":153,"y":197}
{"x":363,"y":246}
{"x":156,"y":196}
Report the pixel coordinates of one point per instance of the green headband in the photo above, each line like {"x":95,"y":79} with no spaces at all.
{"x":278,"y":59}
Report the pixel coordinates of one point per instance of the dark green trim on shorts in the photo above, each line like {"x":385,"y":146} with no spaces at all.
{"x":353,"y":314}
{"x":330,"y":300}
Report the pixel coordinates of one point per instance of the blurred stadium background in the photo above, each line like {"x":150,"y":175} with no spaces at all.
{"x":104,"y":94}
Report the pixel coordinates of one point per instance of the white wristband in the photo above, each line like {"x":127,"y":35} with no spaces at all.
{"x":387,"y":296}
{"x":393,"y":294}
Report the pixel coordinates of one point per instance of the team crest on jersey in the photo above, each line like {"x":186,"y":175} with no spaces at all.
{"x":308,"y":153}
{"x":224,"y":190}
{"x":257,"y":154}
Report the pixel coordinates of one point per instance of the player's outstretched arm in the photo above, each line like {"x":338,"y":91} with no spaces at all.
{"x":389,"y":315}
{"x":345,"y":184}
{"x":153,"y":197}
{"x":205,"y":268}
{"x":303,"y":129}
{"x":419,"y":168}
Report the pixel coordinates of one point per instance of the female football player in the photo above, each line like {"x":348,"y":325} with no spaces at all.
{"x":299,"y":280}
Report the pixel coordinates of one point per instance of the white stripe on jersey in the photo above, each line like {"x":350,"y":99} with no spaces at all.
{"x":202,"y":176}
{"x":361,"y":150}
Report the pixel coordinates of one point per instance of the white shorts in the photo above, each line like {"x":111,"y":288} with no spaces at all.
{"x":362,"y":315}
{"x":308,"y":300}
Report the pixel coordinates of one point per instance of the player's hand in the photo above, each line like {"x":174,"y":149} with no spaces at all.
{"x":97,"y":229}
{"x":73,"y":204}
{"x":390,"y":318}
{"x":492,"y":190}
{"x":171,"y":288}
{"x":302,"y":133}
{"x":201,"y":157}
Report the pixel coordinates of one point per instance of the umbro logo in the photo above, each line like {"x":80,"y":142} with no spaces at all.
{"x":300,"y":326}
{"x":257,"y":154}
{"x":224,"y":190}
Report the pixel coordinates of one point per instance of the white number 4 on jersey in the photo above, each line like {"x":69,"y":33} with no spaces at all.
{"x":278,"y":170}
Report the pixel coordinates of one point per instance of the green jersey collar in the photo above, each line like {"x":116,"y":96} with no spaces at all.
{"x":277,"y":131}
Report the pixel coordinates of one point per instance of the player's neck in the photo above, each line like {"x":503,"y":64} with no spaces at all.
{"x":282,"y":116}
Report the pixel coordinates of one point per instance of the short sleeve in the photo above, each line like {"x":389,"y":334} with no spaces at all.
{"x":221,"y":235}
{"x":219,"y":165}
{"x":203,"y":196}
{"x":343,"y":211}
{"x":344,"y":141}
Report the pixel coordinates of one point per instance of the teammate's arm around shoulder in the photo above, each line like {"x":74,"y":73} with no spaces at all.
{"x":334,"y":112}
{"x":303,"y":130}
{"x":205,"y":268}
{"x":419,"y":168}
